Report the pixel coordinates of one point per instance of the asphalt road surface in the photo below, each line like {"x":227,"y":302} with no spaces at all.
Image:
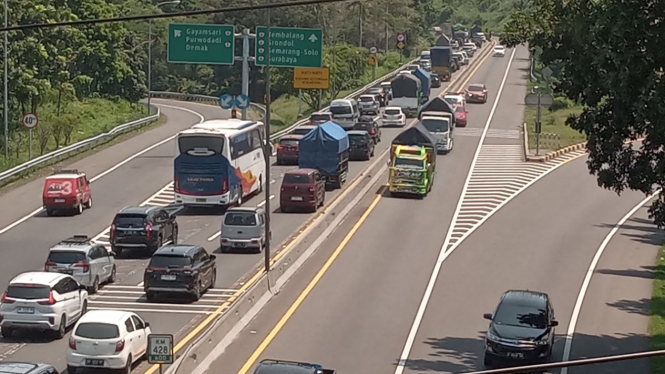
{"x":139,"y":180}
{"x":360,"y":314}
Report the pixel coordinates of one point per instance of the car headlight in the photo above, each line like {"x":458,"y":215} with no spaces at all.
{"x":492,"y":337}
{"x":543,"y":341}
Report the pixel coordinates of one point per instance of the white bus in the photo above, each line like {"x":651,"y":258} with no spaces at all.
{"x":219,"y":162}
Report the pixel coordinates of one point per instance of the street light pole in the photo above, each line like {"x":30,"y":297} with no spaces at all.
{"x":267,"y":153}
{"x":150,"y":49}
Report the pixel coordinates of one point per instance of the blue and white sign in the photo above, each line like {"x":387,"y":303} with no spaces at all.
{"x":226,"y":101}
{"x":242,"y":101}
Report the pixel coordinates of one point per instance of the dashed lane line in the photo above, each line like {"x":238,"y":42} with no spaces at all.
{"x":497,"y":176}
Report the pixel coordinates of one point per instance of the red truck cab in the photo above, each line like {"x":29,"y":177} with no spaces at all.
{"x":66,"y":190}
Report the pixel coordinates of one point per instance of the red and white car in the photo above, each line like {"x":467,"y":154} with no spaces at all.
{"x":460,"y":114}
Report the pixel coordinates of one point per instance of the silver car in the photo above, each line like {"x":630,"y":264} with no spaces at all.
{"x":368,"y":104}
{"x":243,"y":229}
{"x":90,"y":263}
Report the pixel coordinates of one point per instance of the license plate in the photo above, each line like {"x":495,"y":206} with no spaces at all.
{"x":59,"y":200}
{"x":168,"y":277}
{"x":200,"y":200}
{"x":25,"y":310}
{"x":515,"y":354}
{"x":94,"y":362}
{"x":66,"y":271}
{"x":238,"y":244}
{"x":296,"y":198}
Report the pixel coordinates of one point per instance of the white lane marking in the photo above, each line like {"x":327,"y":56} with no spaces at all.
{"x":140,"y":284}
{"x":443,"y":254}
{"x":113,"y":168}
{"x":215,"y":236}
{"x":587,"y":279}
{"x":109,"y":287}
{"x":156,"y":310}
{"x":262,"y":203}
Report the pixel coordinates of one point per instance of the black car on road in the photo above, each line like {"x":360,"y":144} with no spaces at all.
{"x":371,"y":125}
{"x":436,"y":82}
{"x":521,"y":331}
{"x":361,"y":145}
{"x":26,"y":368}
{"x":146,"y":228}
{"x":270,"y":366}
{"x":179,"y":269}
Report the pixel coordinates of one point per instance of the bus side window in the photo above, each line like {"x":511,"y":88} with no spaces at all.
{"x":241,"y":145}
{"x":256,"y":139}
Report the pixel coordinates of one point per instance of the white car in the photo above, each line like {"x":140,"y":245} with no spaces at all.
{"x":499,"y":51}
{"x":42,"y":301}
{"x":108,"y":339}
{"x":393,"y":116}
{"x":455,"y":99}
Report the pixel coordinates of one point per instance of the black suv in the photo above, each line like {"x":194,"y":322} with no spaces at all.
{"x":269,"y":366}
{"x":143,"y":227}
{"x":180,"y":269}
{"x":521,"y":330}
{"x":371,"y":125}
{"x":26,"y":368}
{"x":361,"y":145}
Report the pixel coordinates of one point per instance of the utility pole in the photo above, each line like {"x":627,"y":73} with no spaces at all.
{"x":5,"y":96}
{"x":150,"y":48}
{"x":268,"y":150}
{"x":245,"y":58}
{"x":360,"y":25}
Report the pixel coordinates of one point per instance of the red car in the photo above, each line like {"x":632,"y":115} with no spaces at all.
{"x":460,"y":115}
{"x":287,"y":150}
{"x":476,"y":93}
{"x":66,"y":190}
{"x":302,"y":188}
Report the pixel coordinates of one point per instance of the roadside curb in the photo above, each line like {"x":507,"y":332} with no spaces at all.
{"x":549,"y":156}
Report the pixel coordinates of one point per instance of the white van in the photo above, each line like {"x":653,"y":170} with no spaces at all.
{"x":442,"y":129}
{"x":345,"y":113}
{"x":424,"y":55}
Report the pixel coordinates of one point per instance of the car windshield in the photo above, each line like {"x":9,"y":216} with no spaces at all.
{"x":97,"y":330}
{"x":459,"y":109}
{"x":28,"y":291}
{"x":319,"y":117}
{"x":240,"y":219}
{"x":364,"y":126}
{"x":392,"y":112}
{"x":499,"y":47}
{"x":409,"y":163}
{"x":435,"y":125}
{"x":451,"y":100}
{"x":366,"y":99}
{"x":288,"y":142}
{"x":357,"y":139}
{"x":374,"y":90}
{"x":521,"y":316}
{"x":130,"y":220}
{"x":340,"y":109}
{"x":160,"y":261}
{"x":476,"y":88}
{"x":66,"y":257}
{"x":296,"y":179}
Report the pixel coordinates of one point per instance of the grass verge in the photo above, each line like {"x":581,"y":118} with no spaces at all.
{"x":46,"y":169}
{"x":657,"y":315}
{"x":555,"y":133}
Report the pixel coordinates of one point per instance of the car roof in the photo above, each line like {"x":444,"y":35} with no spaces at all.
{"x":38,"y":277}
{"x":291,"y":137}
{"x":320,"y":113}
{"x":245,"y":209}
{"x":9,"y":367}
{"x":303,"y":171}
{"x":65,"y":174}
{"x":137,"y":209}
{"x":393,"y":108}
{"x":526,"y":298}
{"x":307,"y":127}
{"x":476,"y":84}
{"x":357,"y":132}
{"x":177,"y":249}
{"x":109,"y":316}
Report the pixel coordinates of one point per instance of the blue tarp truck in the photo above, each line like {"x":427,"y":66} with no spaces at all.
{"x":326,"y":148}
{"x":442,"y":58}
{"x":425,"y":83}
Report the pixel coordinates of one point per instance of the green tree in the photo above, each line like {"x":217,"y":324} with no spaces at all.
{"x":611,"y":63}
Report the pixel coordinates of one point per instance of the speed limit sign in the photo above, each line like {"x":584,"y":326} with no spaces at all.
{"x":30,"y":120}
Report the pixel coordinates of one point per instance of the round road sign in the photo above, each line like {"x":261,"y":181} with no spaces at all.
{"x":372,"y":60}
{"x":372,"y":50}
{"x":401,"y":37}
{"x":30,"y":120}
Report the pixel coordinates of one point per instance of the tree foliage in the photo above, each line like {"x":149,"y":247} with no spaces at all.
{"x":611,"y":62}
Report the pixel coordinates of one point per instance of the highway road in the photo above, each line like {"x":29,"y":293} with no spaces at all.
{"x":380,"y":307}
{"x":144,"y":179}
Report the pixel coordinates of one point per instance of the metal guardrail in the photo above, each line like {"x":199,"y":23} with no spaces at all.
{"x":261,"y":108}
{"x":78,"y":147}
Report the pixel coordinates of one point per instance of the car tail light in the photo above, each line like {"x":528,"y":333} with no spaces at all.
{"x":148,"y":230}
{"x":5,"y":299}
{"x":72,"y":343}
{"x":51,"y":300}
{"x":120,"y":345}
{"x":176,"y":184}
{"x":47,"y":265}
{"x":373,"y":131}
{"x":112,"y":232}
{"x":225,"y":185}
{"x":84,"y":265}
{"x":190,"y":272}
{"x":312,"y":189}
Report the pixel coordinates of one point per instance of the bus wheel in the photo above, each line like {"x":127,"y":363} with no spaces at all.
{"x":260,"y":185}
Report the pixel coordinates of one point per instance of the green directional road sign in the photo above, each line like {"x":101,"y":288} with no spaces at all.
{"x":289,"y":47}
{"x":201,"y":44}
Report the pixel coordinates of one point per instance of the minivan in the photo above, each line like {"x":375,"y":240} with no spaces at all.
{"x":442,"y":129}
{"x":243,"y":228}
{"x":302,"y":188}
{"x":345,"y":113}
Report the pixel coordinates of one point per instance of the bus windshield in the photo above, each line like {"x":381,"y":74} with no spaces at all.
{"x":201,"y":145}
